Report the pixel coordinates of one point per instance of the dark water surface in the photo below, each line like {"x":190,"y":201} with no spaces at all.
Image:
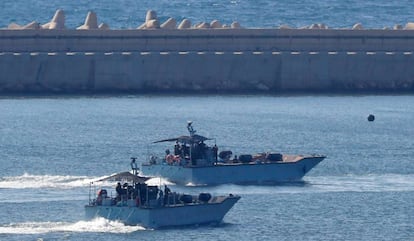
{"x":51,"y":148}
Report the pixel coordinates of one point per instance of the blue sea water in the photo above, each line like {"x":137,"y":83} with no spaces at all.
{"x":250,"y":13}
{"x":53,"y":147}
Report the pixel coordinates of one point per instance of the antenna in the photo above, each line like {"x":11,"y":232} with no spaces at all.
{"x":90,"y":187}
{"x":190,"y":128}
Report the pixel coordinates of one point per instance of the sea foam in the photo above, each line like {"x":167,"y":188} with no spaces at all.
{"x":44,"y":181}
{"x":98,"y":225}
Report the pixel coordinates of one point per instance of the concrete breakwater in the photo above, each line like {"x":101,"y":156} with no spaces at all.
{"x":226,"y":59}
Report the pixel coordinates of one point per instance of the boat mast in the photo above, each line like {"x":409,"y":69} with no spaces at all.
{"x":190,"y":128}
{"x":192,"y":132}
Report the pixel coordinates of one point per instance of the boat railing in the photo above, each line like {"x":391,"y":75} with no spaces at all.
{"x":141,"y":195}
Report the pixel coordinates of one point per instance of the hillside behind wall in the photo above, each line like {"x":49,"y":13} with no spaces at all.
{"x":211,"y":60}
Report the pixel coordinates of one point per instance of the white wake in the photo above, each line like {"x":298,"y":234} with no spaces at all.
{"x":44,"y":181}
{"x":98,"y":225}
{"x":319,"y":184}
{"x":61,"y":182}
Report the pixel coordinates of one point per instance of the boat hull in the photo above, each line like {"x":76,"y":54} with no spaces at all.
{"x":250,"y":173}
{"x":159,"y":217}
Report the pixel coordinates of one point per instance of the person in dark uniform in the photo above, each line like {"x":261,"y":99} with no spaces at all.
{"x":177,"y":149}
{"x":215,"y":151}
{"x":167,"y":192}
{"x":120,"y":191}
{"x":134,"y":166}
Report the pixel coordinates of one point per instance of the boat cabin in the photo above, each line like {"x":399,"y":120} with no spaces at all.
{"x":189,"y":150}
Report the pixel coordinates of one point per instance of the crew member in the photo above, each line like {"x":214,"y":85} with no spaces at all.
{"x":169,"y":158}
{"x":177,"y":149}
{"x":134,"y":166}
{"x":167,"y":192}
{"x":121,"y":192}
{"x":215,"y":151}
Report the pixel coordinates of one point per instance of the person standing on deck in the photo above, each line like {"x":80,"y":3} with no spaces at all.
{"x":134,"y":166}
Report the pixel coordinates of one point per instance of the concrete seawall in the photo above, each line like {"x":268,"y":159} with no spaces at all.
{"x":267,"y":60}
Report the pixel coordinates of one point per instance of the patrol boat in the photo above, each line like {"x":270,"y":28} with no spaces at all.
{"x":137,"y":203}
{"x":194,"y":162}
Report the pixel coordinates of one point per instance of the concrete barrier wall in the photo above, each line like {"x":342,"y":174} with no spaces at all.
{"x":205,"y":40}
{"x":206,"y":71}
{"x":206,"y":60}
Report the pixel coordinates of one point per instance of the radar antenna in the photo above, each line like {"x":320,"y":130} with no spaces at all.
{"x":190,"y":128}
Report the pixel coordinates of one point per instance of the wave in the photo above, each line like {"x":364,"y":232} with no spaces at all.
{"x":44,"y":181}
{"x":98,"y":225}
{"x":357,"y":183}
{"x":319,"y":184}
{"x":61,"y":182}
{"x":158,"y":181}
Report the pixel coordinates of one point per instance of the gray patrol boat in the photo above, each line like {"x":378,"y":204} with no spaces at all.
{"x":194,"y":162}
{"x":137,"y":203}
